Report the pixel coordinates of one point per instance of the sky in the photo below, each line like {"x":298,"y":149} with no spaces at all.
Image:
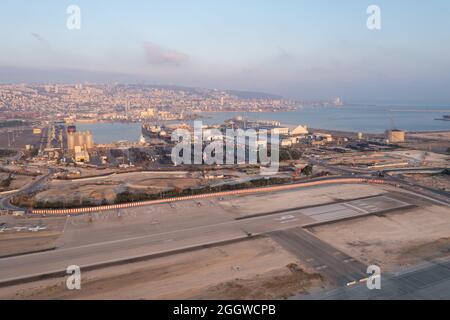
{"x":296,"y":48}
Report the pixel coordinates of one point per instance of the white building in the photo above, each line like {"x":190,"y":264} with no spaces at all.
{"x":300,"y":131}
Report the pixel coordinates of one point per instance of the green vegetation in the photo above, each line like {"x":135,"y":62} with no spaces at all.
{"x":29,"y":201}
{"x":6,"y":182}
{"x":308,"y":170}
{"x":63,"y":205}
{"x":290,"y":154}
{"x":285,"y":155}
{"x":127,"y":196}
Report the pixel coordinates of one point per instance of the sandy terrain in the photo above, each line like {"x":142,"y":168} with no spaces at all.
{"x":365,"y":159}
{"x":395,"y":240}
{"x":256,"y":269}
{"x":17,"y":182}
{"x":106,"y":188}
{"x":441,"y":181}
{"x":425,"y":158}
{"x":20,"y":181}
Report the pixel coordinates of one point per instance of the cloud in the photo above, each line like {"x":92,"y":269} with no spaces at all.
{"x":41,"y":39}
{"x":158,"y":55}
{"x":283,"y":55}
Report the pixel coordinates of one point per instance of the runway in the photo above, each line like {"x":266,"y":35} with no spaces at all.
{"x":338,"y":267}
{"x":168,"y":240}
{"x":353,"y":209}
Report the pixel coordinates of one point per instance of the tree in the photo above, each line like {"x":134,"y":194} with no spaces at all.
{"x":308,"y":170}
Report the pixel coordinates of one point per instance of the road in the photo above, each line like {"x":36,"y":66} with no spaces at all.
{"x":440,"y":195}
{"x":430,"y":193}
{"x":123,"y":249}
{"x":5,"y":202}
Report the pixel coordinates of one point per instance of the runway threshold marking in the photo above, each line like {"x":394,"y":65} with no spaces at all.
{"x":355,"y":208}
{"x":396,"y":200}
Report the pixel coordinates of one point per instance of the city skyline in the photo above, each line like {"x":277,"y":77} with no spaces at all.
{"x":300,"y":50}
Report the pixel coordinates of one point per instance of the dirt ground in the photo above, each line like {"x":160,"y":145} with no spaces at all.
{"x":438,"y":181}
{"x":20,"y":181}
{"x":424,"y":158}
{"x":254,"y":269}
{"x":106,"y":188}
{"x":444,"y":136}
{"x":395,"y":240}
{"x":17,"y":182}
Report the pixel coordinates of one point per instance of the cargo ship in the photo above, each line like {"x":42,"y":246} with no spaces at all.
{"x":153,"y":131}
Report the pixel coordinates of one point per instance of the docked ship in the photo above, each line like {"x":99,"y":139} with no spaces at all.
{"x":153,"y":131}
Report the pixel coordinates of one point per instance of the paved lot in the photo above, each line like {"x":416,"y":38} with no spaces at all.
{"x":339,"y":268}
{"x":428,"y":281}
{"x":353,"y":209}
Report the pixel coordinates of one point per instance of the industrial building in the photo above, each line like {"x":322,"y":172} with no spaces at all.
{"x":81,"y":156}
{"x":83,"y":139}
{"x":396,"y":136}
{"x":300,"y":131}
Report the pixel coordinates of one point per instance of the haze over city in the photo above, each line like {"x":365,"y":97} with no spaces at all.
{"x":298,"y":49}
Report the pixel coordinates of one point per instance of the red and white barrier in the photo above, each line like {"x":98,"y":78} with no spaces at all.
{"x":205,"y":196}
